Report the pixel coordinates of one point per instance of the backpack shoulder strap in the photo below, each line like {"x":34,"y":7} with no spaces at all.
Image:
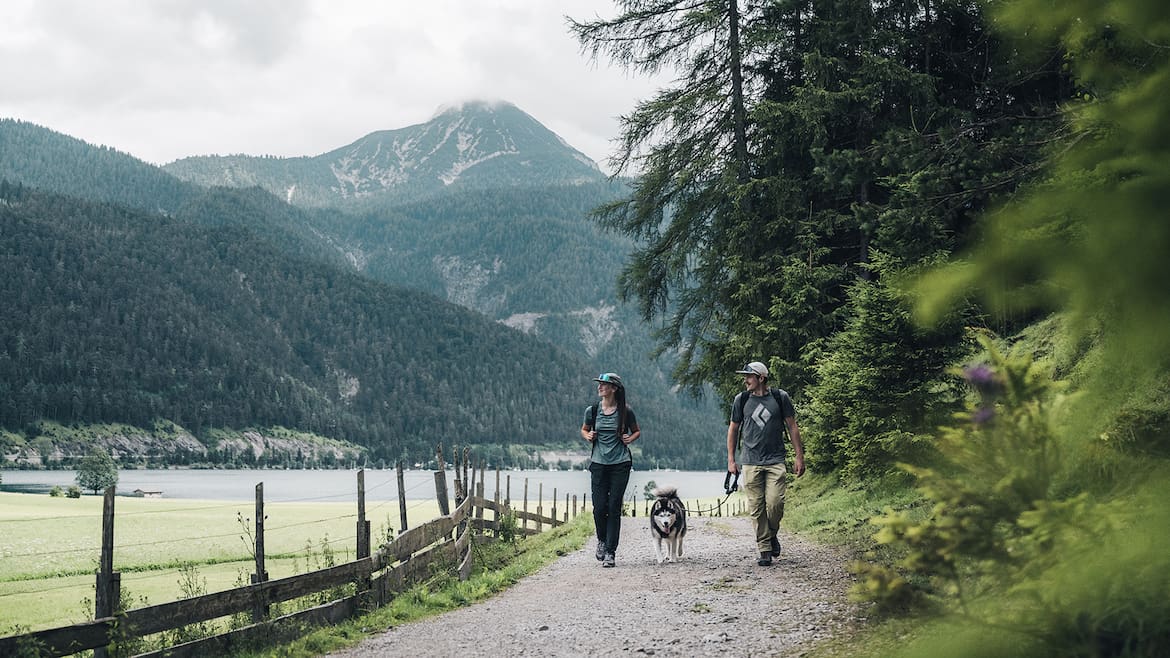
{"x":593,"y":416}
{"x":777,"y":395}
{"x":740,"y":402}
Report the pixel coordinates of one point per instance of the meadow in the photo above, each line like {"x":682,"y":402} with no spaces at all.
{"x":164,"y":548}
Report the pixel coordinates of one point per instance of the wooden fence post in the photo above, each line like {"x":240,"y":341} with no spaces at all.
{"x":525,"y":504}
{"x":553,"y":512}
{"x":441,"y":493}
{"x":109,"y":582}
{"x":540,"y":507}
{"x":496,"y":511}
{"x":567,"y":508}
{"x":479,"y":492}
{"x":260,"y":608}
{"x":363,"y":526}
{"x":401,"y":497}
{"x":469,"y":477}
{"x":467,"y":488}
{"x":457,"y":481}
{"x":363,"y":582}
{"x":574,"y":504}
{"x":441,"y":485}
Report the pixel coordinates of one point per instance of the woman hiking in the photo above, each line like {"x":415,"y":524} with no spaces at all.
{"x":610,"y":426}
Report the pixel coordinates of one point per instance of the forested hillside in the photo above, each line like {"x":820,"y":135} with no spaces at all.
{"x":527,"y":257}
{"x":129,"y":317}
{"x":554,"y":261}
{"x":499,"y":225}
{"x":43,"y":158}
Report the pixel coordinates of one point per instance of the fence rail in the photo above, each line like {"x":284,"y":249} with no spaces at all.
{"x":376,"y":578}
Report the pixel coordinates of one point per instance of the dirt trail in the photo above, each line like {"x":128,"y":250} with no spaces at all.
{"x":714,"y":602}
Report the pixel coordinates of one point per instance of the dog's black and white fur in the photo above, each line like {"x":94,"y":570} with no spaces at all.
{"x":668,"y":524}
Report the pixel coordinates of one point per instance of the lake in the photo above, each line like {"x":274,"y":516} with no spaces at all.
{"x":341,"y":485}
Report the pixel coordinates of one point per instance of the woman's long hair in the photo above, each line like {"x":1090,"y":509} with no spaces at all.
{"x":620,"y":398}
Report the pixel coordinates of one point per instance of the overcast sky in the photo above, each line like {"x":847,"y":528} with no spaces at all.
{"x":165,"y":79}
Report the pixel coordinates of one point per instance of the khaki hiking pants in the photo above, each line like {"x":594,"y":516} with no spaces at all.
{"x":764,"y":487}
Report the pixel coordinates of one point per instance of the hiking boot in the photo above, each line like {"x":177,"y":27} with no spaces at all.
{"x":608,"y":561}
{"x":600,"y":550}
{"x":765,"y":559}
{"x":775,"y":546}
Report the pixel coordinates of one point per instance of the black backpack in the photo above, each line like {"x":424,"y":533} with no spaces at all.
{"x":778,"y":394}
{"x":593,"y":424}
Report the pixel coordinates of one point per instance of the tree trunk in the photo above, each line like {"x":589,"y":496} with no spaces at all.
{"x":738,"y":113}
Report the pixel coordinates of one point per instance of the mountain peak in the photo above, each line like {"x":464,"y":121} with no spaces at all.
{"x":473,"y":144}
{"x":474,"y":105}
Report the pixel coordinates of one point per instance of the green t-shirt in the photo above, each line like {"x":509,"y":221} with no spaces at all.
{"x":607,"y":448}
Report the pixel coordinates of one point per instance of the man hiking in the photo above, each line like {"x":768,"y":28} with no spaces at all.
{"x":759,"y":417}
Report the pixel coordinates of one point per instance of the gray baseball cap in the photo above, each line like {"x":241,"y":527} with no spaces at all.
{"x":610,"y":378}
{"x":754,"y":368}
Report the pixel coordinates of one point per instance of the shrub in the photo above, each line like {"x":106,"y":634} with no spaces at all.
{"x":997,"y":463}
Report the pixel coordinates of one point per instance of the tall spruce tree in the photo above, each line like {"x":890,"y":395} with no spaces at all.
{"x":689,"y":146}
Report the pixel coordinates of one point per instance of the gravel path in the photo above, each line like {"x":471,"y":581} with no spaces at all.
{"x":714,"y":602}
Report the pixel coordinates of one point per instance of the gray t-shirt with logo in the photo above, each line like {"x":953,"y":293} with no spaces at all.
{"x":607,"y":448}
{"x":761,"y":426}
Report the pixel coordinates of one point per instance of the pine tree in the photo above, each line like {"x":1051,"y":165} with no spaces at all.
{"x":689,"y":145}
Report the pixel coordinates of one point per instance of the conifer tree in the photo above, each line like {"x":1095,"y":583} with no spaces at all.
{"x":689,"y":146}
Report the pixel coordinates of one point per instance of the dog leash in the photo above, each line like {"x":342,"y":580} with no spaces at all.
{"x":730,"y":486}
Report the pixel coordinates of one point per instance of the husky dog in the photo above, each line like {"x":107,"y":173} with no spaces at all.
{"x":668,"y":523}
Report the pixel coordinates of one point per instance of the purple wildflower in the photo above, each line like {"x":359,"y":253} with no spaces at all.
{"x":983,"y":415}
{"x":982,"y":377}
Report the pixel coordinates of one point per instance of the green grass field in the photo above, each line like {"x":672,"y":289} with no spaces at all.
{"x":49,"y":548}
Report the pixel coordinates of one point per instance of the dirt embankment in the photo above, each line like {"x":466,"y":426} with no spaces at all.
{"x":715,"y":602}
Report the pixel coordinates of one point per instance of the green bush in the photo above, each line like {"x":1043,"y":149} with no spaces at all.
{"x":509,"y":528}
{"x":56,"y":491}
{"x":997,"y":464}
{"x":1041,"y":561}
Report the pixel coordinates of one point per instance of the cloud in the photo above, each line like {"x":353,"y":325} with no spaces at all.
{"x":167,"y":79}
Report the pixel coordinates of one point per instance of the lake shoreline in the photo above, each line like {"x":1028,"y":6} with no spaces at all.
{"x":340,"y":485}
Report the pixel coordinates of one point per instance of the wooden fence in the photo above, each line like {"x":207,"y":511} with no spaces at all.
{"x":375,"y":576}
